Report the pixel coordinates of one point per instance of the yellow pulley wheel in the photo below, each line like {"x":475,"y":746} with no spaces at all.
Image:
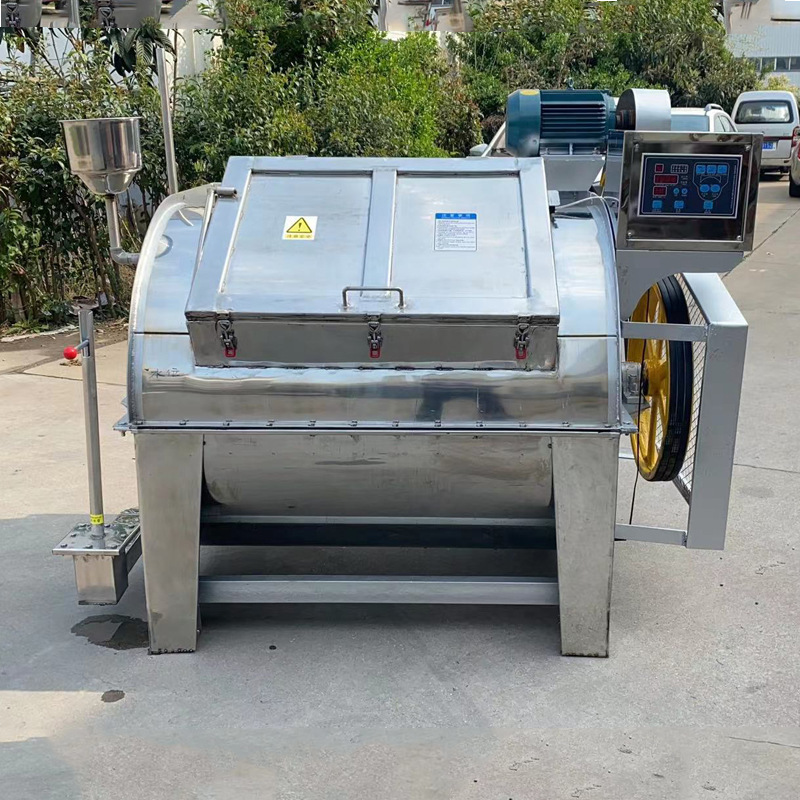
{"x":664,"y":415}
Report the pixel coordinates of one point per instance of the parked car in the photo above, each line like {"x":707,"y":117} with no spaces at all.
{"x":711,"y":119}
{"x":794,"y":172}
{"x":775,"y":115}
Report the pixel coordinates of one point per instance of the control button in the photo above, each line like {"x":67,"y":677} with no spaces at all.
{"x":684,"y":191}
{"x":708,"y":204}
{"x":704,"y":188}
{"x":714,"y":188}
{"x":657,"y":204}
{"x":659,"y":167}
{"x":711,"y":169}
{"x":700,"y":169}
{"x":722,"y":169}
{"x":678,"y":204}
{"x":676,"y":191}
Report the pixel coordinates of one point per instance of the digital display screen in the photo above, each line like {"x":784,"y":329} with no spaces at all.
{"x":689,"y":185}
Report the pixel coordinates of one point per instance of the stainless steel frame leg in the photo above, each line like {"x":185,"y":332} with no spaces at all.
{"x":169,"y":471}
{"x":585,"y":479}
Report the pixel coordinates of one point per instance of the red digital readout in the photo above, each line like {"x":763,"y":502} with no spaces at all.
{"x":659,"y":167}
{"x":665,"y":178}
{"x":659,"y":191}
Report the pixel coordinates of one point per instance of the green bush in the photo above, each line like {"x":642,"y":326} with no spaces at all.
{"x":53,"y":236}
{"x":307,"y":77}
{"x":384,"y":98}
{"x":314,"y":78}
{"x":678,"y":45}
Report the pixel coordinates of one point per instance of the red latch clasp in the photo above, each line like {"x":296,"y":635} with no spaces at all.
{"x":375,"y":339}
{"x":521,"y":340}
{"x":227,"y":337}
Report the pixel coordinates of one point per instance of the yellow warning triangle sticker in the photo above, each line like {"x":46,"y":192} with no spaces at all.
{"x":301,"y":226}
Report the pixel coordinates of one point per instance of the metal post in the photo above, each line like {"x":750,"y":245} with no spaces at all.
{"x":73,"y":14}
{"x":118,"y":255}
{"x":496,"y":139}
{"x":166,"y":122}
{"x":169,"y":470}
{"x":585,"y":481}
{"x":92,"y":423}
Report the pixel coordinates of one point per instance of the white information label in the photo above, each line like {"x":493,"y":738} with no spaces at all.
{"x":456,"y":232}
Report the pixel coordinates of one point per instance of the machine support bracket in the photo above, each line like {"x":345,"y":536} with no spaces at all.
{"x":645,"y":533}
{"x":377,"y":589}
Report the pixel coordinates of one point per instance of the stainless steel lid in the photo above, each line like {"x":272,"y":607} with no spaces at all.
{"x":380,"y":261}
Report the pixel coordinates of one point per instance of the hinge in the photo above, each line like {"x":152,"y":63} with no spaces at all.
{"x":227,"y":337}
{"x":522,"y":338}
{"x":374,"y":337}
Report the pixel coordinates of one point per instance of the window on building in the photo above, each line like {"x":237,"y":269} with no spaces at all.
{"x":794,"y":63}
{"x":782,"y":64}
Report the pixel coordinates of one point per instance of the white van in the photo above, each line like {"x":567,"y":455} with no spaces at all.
{"x":775,"y":114}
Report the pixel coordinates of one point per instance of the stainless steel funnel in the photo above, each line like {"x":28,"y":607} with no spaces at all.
{"x":105,"y":153}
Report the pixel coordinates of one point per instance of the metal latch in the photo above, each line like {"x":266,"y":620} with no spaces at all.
{"x":227,"y":337}
{"x":12,"y":15}
{"x":105,"y":14}
{"x":522,"y":339}
{"x":374,"y":338}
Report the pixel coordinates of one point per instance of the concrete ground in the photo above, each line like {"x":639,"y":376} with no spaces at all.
{"x":700,"y":698}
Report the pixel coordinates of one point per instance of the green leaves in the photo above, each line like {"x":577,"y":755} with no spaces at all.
{"x":678,"y":45}
{"x":53,"y":239}
{"x":310,"y":77}
{"x":136,"y":47}
{"x":315,"y":78}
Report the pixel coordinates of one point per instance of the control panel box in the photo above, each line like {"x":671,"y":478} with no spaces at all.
{"x":688,"y":191}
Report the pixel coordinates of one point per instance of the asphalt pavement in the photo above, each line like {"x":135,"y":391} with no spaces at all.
{"x":700,"y":698}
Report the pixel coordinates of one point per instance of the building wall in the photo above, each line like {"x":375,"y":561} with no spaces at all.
{"x":767,"y":31}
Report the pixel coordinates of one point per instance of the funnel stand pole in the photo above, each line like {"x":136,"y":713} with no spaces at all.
{"x":166,"y":122}
{"x":92,"y":423}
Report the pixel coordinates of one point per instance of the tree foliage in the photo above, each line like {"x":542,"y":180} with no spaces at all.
{"x":307,"y":77}
{"x":53,"y":237}
{"x":678,"y":45}
{"x":315,"y":78}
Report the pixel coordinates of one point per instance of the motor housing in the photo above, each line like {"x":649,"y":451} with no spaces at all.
{"x":558,"y":121}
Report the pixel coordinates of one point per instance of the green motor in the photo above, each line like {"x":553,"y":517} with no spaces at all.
{"x":558,"y":121}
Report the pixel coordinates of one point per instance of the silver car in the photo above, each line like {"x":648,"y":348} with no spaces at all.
{"x":711,"y":119}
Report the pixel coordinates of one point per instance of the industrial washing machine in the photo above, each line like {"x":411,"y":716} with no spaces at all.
{"x":349,"y":350}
